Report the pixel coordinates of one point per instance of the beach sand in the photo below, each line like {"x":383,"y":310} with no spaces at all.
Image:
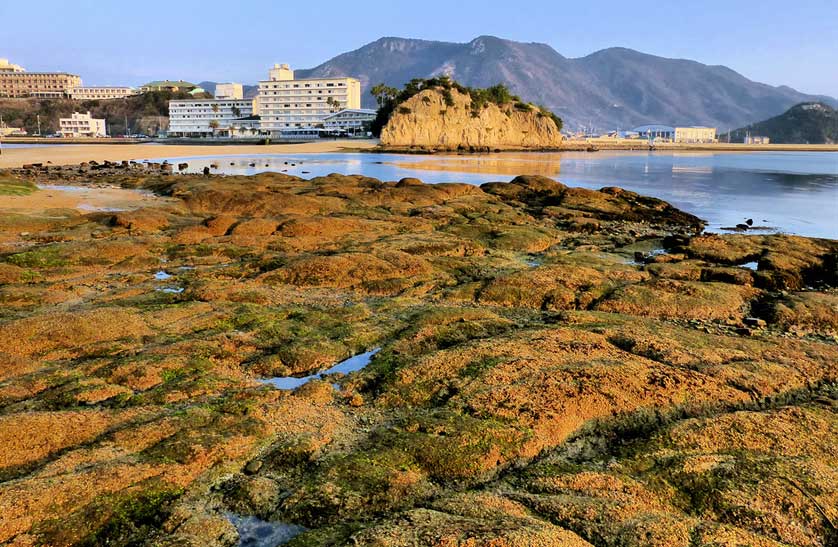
{"x":85,"y":199}
{"x":71,"y":154}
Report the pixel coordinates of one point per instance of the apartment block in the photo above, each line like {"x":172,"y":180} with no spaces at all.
{"x":82,"y":125}
{"x":229,"y":91}
{"x":101,"y":92}
{"x":208,"y":117}
{"x":44,"y":85}
{"x":286,"y":103}
{"x":6,"y":66}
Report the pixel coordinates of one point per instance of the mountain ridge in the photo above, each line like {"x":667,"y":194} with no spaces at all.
{"x":609,"y":88}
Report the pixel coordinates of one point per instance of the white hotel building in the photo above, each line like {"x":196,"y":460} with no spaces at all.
{"x":82,"y":125}
{"x":350,"y":120}
{"x":101,"y":92}
{"x":208,"y":117}
{"x":285,"y":104}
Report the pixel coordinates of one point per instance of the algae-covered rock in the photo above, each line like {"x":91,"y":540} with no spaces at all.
{"x":511,"y":372}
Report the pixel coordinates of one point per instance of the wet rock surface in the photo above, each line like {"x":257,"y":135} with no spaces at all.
{"x":536,"y":383}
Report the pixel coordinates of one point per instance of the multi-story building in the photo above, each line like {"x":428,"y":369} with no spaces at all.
{"x":285,"y":103}
{"x":82,"y":125}
{"x":6,"y":66}
{"x":351,"y":120}
{"x":665,"y":133}
{"x":207,"y":117}
{"x":101,"y":92}
{"x":229,"y":91}
{"x":44,"y":85}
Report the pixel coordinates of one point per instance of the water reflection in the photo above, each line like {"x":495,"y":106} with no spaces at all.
{"x":795,"y":192}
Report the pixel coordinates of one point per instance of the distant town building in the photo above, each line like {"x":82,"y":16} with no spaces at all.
{"x":209,"y":117}
{"x":351,"y":120}
{"x":82,"y":125}
{"x":6,"y":66}
{"x":695,"y":134}
{"x":12,"y":131}
{"x":17,"y":82}
{"x":285,"y":103}
{"x":665,"y":133}
{"x":101,"y":92}
{"x":168,"y":85}
{"x":229,"y":91}
{"x":655,"y":132}
{"x":753,"y":139}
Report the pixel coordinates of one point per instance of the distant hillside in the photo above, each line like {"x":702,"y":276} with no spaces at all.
{"x":612,"y":88}
{"x":806,"y":123}
{"x":146,"y":113}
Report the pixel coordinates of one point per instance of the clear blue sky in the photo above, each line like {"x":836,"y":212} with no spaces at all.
{"x":128,"y":43}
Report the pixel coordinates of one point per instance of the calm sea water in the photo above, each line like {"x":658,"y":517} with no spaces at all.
{"x":792,"y":192}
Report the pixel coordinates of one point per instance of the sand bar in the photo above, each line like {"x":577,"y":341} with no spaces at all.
{"x":69,"y":154}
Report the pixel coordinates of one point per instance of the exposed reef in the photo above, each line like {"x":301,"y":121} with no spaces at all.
{"x":538,"y":382}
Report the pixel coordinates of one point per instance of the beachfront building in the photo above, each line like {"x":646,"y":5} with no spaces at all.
{"x":286,"y":103}
{"x":168,"y":85}
{"x":350,"y":120}
{"x":209,"y":117}
{"x":82,"y":125}
{"x":101,"y":92}
{"x":229,"y":91}
{"x":16,"y":82}
{"x":665,"y":133}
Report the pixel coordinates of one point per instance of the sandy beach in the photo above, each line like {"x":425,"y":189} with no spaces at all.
{"x":69,"y":154}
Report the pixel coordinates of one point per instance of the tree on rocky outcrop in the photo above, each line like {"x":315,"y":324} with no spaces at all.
{"x":389,"y":98}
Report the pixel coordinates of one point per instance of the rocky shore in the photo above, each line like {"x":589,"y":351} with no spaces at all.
{"x":547,"y":366}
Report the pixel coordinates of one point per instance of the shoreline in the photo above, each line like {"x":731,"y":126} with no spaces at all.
{"x":65,"y":154}
{"x":597,"y":146}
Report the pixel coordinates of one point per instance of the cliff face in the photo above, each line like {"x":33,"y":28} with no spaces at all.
{"x":427,"y":121}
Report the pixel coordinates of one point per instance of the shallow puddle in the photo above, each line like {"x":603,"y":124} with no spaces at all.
{"x":354,"y":363}
{"x":171,"y":290}
{"x":254,"y":532}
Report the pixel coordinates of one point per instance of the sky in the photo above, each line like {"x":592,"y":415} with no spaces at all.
{"x":129,"y":43}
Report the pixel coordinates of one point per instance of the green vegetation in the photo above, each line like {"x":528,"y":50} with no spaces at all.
{"x":146,"y":113}
{"x":48,"y":256}
{"x":805,"y":123}
{"x":390,"y":99}
{"x":12,"y":187}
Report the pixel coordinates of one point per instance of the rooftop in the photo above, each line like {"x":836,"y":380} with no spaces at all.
{"x":169,"y":83}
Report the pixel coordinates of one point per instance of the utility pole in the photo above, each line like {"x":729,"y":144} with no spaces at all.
{"x":126,"y":133}
{"x":39,"y":124}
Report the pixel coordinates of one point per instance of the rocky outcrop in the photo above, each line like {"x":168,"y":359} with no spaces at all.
{"x":438,"y":119}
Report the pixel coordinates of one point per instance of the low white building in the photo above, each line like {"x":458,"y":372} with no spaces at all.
{"x":666,"y":133}
{"x":756,"y":139}
{"x":82,"y":125}
{"x":101,"y":92}
{"x":209,"y":117}
{"x":350,"y":120}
